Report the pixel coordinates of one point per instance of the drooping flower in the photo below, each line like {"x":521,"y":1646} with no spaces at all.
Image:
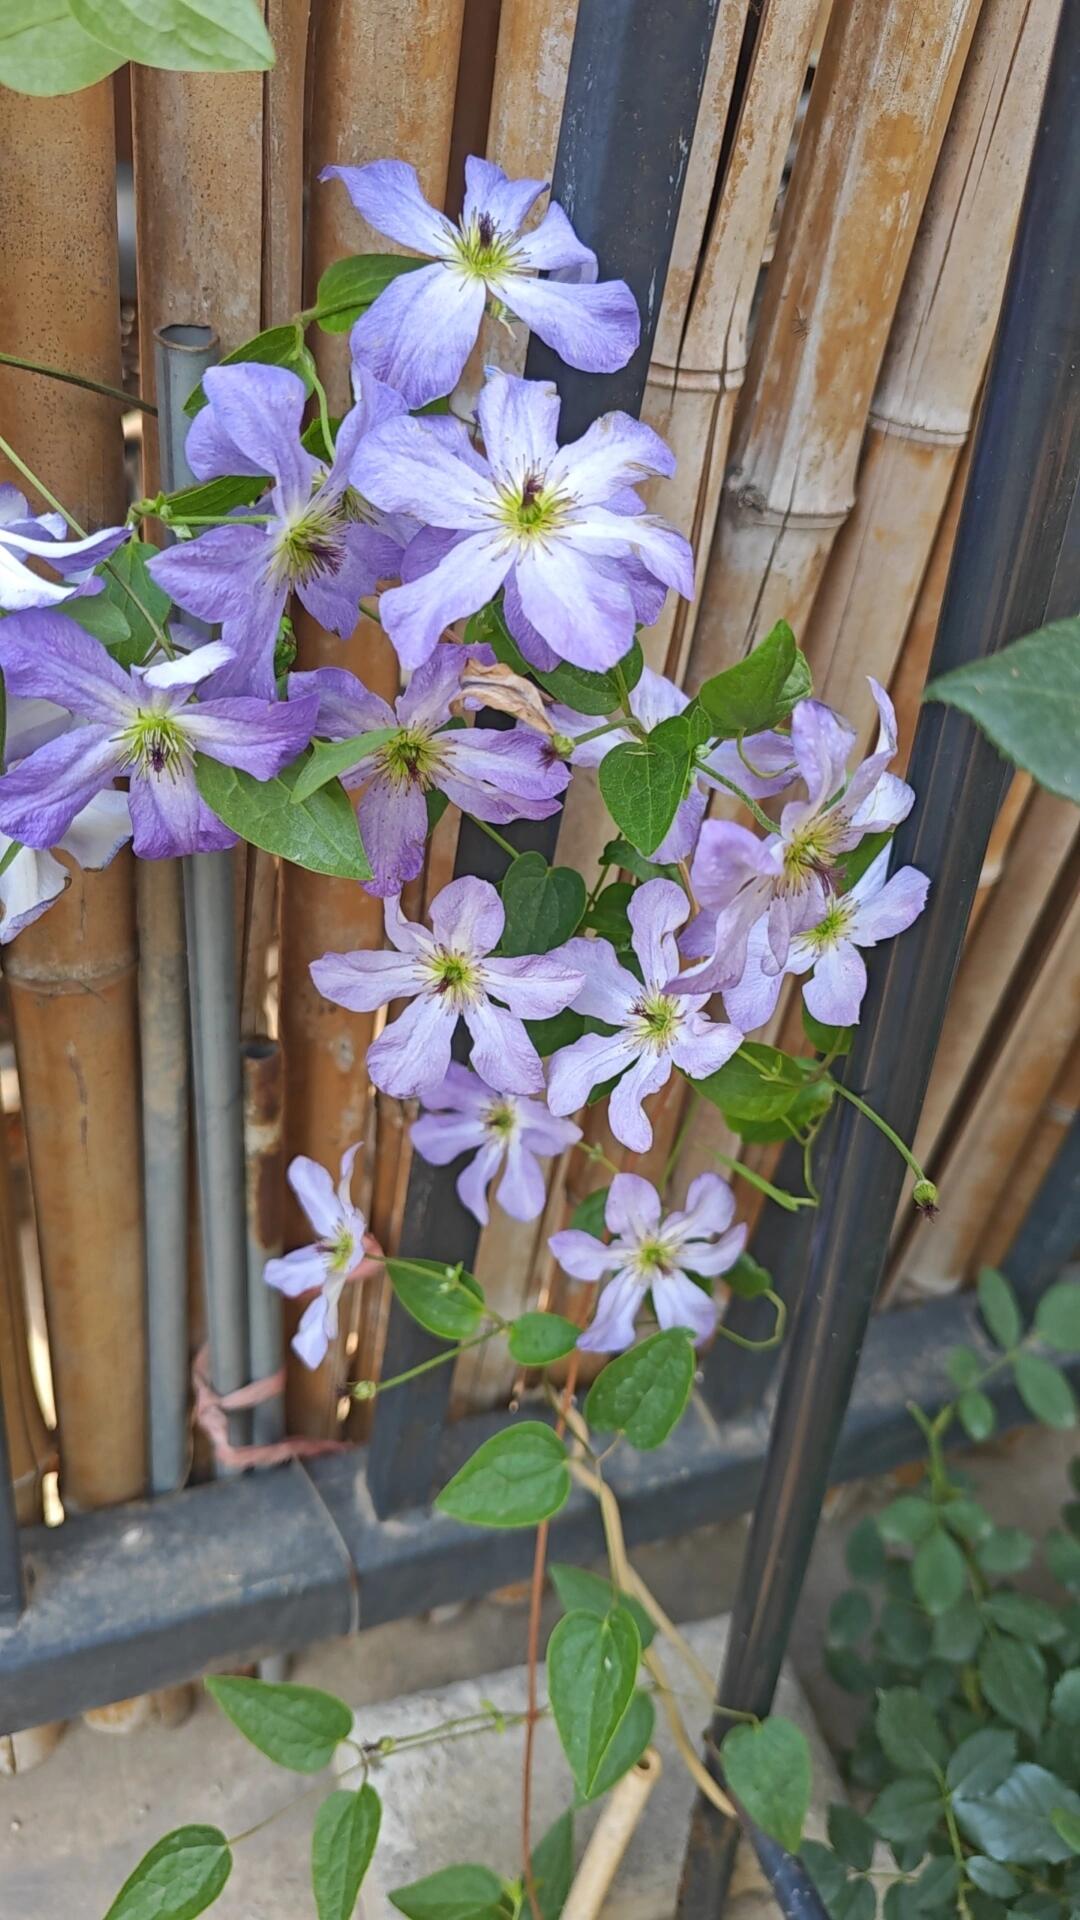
{"x":655,"y":1031}
{"x":31,"y":879}
{"x":25,"y":535}
{"x":463,"y":1114}
{"x":790,"y":876}
{"x":875,"y":909}
{"x":318,"y":538}
{"x":418,"y":334}
{"x":654,"y":1253}
{"x":535,"y":517}
{"x":449,"y":974}
{"x":496,"y":775}
{"x":144,"y":724}
{"x":330,"y":1261}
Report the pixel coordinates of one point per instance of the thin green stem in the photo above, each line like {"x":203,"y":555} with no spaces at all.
{"x":759,"y":813}
{"x":790,"y":1201}
{"x":882,"y":1126}
{"x":596,"y":733}
{"x":596,"y":1155}
{"x":324,"y":413}
{"x":775,"y":1337}
{"x":220,"y":520}
{"x":759,"y":773}
{"x":594,"y":895}
{"x":78,"y":380}
{"x":367,"y":1389}
{"x":492,"y":835}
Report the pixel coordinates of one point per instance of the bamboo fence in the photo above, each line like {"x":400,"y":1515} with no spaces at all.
{"x":817,"y":374}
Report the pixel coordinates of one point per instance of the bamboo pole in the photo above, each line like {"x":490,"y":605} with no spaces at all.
{"x":878,"y":110}
{"x":265,"y":1205}
{"x":909,"y":677}
{"x":924,"y":405}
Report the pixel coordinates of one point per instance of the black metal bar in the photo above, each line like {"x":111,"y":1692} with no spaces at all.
{"x":1007,"y":560}
{"x":1050,"y":1234}
{"x":632,"y":95}
{"x":12,"y":1577}
{"x":140,"y":1596}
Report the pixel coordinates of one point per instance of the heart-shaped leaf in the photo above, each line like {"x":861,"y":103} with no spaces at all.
{"x":643,"y":1393}
{"x":349,"y":287}
{"x":321,"y":834}
{"x":296,"y":1727}
{"x":543,"y":905}
{"x":591,"y":1671}
{"x":768,"y":1769}
{"x":516,"y":1479}
{"x":179,"y":1878}
{"x":445,"y":1300}
{"x":342,"y":1845}
{"x":1027,"y":699}
{"x":329,"y":758}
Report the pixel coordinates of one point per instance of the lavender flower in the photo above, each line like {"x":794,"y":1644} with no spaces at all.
{"x":41,"y":536}
{"x":657,"y":1254}
{"x":875,"y":909}
{"x":31,"y":879}
{"x":318,"y":539}
{"x":790,"y":877}
{"x":463,"y":1114}
{"x":496,"y":775}
{"x":535,"y":517}
{"x":418,"y":333}
{"x":144,"y":725}
{"x":654,"y":1031}
{"x":448,"y":974}
{"x":330,"y":1262}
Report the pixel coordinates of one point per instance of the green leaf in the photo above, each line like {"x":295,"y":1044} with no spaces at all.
{"x":516,"y":1479}
{"x":1006,"y":1550}
{"x":755,"y":693}
{"x":213,"y":498}
{"x":939,"y":1572}
{"x":591,"y":1670}
{"x":543,"y":905}
{"x":1015,"y":1823}
{"x":553,"y":1867}
{"x":44,"y":51}
{"x":643,"y":1393}
{"x":329,"y":758}
{"x":989,"y":1877}
{"x":968,"y":1520}
{"x":454,"y":1893}
{"x":643,"y":781}
{"x":1063,"y":1558}
{"x":1026,"y":698}
{"x":964,"y":1367}
{"x":561,"y":1030}
{"x":768,"y":1770}
{"x":1025,"y":1617}
{"x":1012,"y":1675}
{"x":976,"y":1413}
{"x":826,"y":1871}
{"x":321,"y":834}
{"x":1057,"y":1316}
{"x":99,"y":615}
{"x":906,"y":1521}
{"x":347,"y":288}
{"x":1066,"y":1823}
{"x":1044,"y":1390}
{"x":834,"y":1040}
{"x":997,"y":1304}
{"x":957,"y":1632}
{"x":1065,"y":1699}
{"x":864,"y":1553}
{"x":536,"y":1339}
{"x":981,"y":1762}
{"x":852,"y":1836}
{"x":586,"y":1592}
{"x":444,"y":1300}
{"x":619,"y":853}
{"x":632,"y":1736}
{"x":907,"y":1811}
{"x":909,"y":1732}
{"x":182,"y":36}
{"x":130,"y":589}
{"x":177,"y":1879}
{"x":588,"y":1215}
{"x":275,"y":347}
{"x":342,"y":1845}
{"x":758,"y":1082}
{"x":296,"y":1727}
{"x":608,"y":914}
{"x":748,"y":1278}
{"x":595,"y":694}
{"x":936,"y":1886}
{"x":850,"y":1619}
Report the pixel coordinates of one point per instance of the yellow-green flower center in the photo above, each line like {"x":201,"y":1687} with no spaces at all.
{"x":533,"y":508}
{"x":157,"y":744}
{"x":456,"y":976}
{"x":411,"y":756}
{"x":501,"y":1118}
{"x":341,"y":1251}
{"x":311,"y":544}
{"x":653,"y":1257}
{"x":659,"y":1016}
{"x":832,"y":927}
{"x":811,"y":852}
{"x":482,"y":250}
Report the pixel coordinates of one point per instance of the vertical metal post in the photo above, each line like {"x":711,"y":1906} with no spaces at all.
{"x":1010,"y":571}
{"x":183,"y":354}
{"x":12,"y":1579}
{"x":632,"y":96}
{"x":1050,"y":1235}
{"x":264,"y":1160}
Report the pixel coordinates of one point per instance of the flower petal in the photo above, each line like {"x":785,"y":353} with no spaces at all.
{"x":47,"y":656}
{"x":28,"y":886}
{"x":522,"y":1191}
{"x":581,"y":1255}
{"x":751,"y":1001}
{"x":387,"y":193}
{"x":413,"y":1052}
{"x":553,"y":245}
{"x":656,"y":911}
{"x":488,"y":190}
{"x":502,"y":1050}
{"x":633,"y":1207}
{"x":346,"y":707}
{"x":440,"y":1137}
{"x":771,"y":755}
{"x":612,"y":1327}
{"x":472,"y":1182}
{"x":679,"y":1303}
{"x":365,"y":981}
{"x":405,"y":467}
{"x":835,"y":992}
{"x":626,"y":1116}
{"x":468,"y":916}
{"x":890,"y":909}
{"x":662,"y":549}
{"x":501,"y":775}
{"x":418,"y":334}
{"x":471,"y":574}
{"x":97,"y":834}
{"x":709,"y":1209}
{"x":393,"y":825}
{"x":223,"y":575}
{"x":822,"y":744}
{"x":595,"y":327}
{"x":575,"y":1070}
{"x":314,"y":1188}
{"x":40,"y":797}
{"x":296,"y":1273}
{"x":518,"y":421}
{"x":535,"y":986}
{"x":704,"y":1046}
{"x":608,"y":990}
{"x":583,"y":614}
{"x":169,"y":817}
{"x":318,"y":1324}
{"x":258,"y":736}
{"x":616,"y":451}
{"x":261,"y":410}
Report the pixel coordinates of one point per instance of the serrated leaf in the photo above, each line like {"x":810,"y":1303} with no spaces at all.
{"x":633,"y":1735}
{"x":591,"y":1672}
{"x":1057,"y":1316}
{"x":907,"y":1810}
{"x":850,"y":1619}
{"x":543,"y":905}
{"x":768,"y":1770}
{"x":1006,"y":1550}
{"x":587,"y":1592}
{"x":1025,"y":1617}
{"x":1065,"y":1699}
{"x":536,"y":1339}
{"x":342,"y":1845}
{"x":990,"y":1877}
{"x":643,"y":1393}
{"x":1044,"y":1390}
{"x":958,"y":1632}
{"x":755,"y":694}
{"x":864,"y":1552}
{"x":181,"y":36}
{"x":274,"y":347}
{"x":997,"y":1304}
{"x":1015,"y":1824}
{"x":444,"y":1300}
{"x":1012,"y":1675}
{"x":939,"y":1572}
{"x":1026,"y":698}
{"x":296,"y":1727}
{"x":454,"y":1893}
{"x":347,"y":288}
{"x":552,"y":1866}
{"x":852,"y":1836}
{"x":643,"y":781}
{"x":179,"y":1878}
{"x":327,"y":759}
{"x":516,"y":1479}
{"x":981,"y":1762}
{"x":320,"y":835}
{"x":909,"y":1732}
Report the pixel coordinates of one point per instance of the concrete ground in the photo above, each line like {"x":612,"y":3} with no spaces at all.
{"x":71,"y":1830}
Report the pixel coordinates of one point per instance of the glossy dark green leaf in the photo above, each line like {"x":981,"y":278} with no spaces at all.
{"x":958,"y":1632}
{"x":619,"y":853}
{"x":643,"y":1393}
{"x":1012,"y":1675}
{"x":1044,"y":1390}
{"x":981,"y":1762}
{"x":1057,"y":1316}
{"x":327,"y":759}
{"x":144,"y":607}
{"x":178,"y":1879}
{"x":827,"y":1040}
{"x":591,"y":1670}
{"x":608,"y":915}
{"x":1015,"y":1823}
{"x":516,"y":1479}
{"x":275,"y":347}
{"x":445,"y":1300}
{"x":852,"y":1836}
{"x":754,"y":694}
{"x":536,"y":1339}
{"x":748,"y":1278}
{"x":1006,"y":1550}
{"x":632,"y":1736}
{"x":96,"y":613}
{"x":909,"y":1731}
{"x":997,"y":1304}
{"x":1065,"y":1699}
{"x":296,"y":1727}
{"x":594,"y":694}
{"x":939,"y":1571}
{"x":1025,"y":1617}
{"x":454,"y":1893}
{"x":588,"y":1215}
{"x":758,"y":1083}
{"x":213,"y":499}
{"x":543,"y":905}
{"x":643,"y":781}
{"x":321,"y":834}
{"x":768,"y":1769}
{"x":587,"y":1592}
{"x":1026,"y":698}
{"x":906,"y":1520}
{"x":347,"y":288}
{"x":342,"y":1846}
{"x":907,"y":1810}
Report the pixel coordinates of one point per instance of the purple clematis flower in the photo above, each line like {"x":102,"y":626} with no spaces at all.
{"x":534,"y":517}
{"x":418,"y":333}
{"x":31,"y":879}
{"x":463,"y":1114}
{"x":25,"y":535}
{"x":319,"y":539}
{"x":448,"y":974}
{"x":330,"y":1262}
{"x":496,"y":775}
{"x":654,"y":1031}
{"x":657,"y":1254}
{"x":145,"y":725}
{"x":790,"y":877}
{"x":875,"y":909}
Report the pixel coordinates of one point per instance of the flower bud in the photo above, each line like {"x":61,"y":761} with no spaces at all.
{"x":925,"y":1197}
